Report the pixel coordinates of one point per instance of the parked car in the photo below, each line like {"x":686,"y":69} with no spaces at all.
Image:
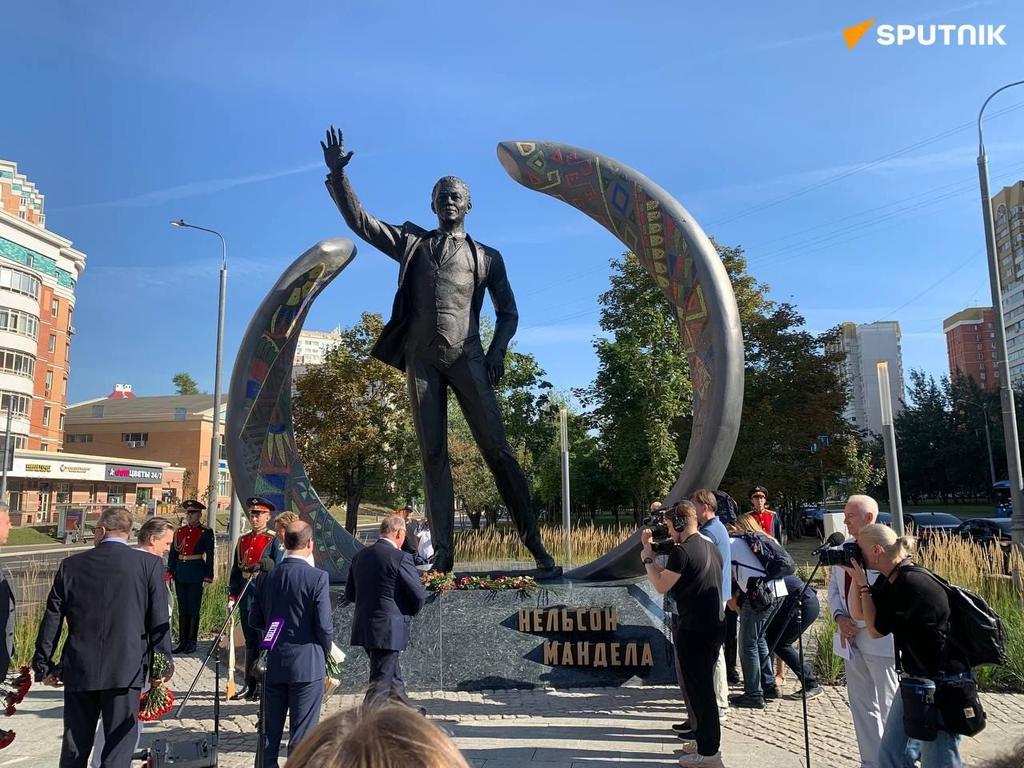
{"x":812,"y":520}
{"x":986,"y":530}
{"x":929,"y":523}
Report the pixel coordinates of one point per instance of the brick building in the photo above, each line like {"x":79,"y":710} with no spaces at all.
{"x":175,"y":429}
{"x":971,"y":346}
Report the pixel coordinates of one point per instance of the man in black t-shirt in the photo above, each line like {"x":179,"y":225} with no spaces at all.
{"x":693,"y":574}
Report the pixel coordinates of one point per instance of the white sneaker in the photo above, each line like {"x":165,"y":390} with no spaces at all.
{"x":723,"y":715}
{"x":687,"y":748}
{"x":711,"y":761}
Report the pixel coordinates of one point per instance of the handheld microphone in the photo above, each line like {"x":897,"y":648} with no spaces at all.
{"x":272,"y":634}
{"x":834,"y":540}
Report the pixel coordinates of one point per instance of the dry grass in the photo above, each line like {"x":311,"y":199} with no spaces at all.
{"x":502,"y":543}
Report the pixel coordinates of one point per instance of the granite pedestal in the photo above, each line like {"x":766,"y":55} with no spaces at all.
{"x":476,"y":640}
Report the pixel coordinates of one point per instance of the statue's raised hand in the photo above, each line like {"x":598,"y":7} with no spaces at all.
{"x":334,"y":151}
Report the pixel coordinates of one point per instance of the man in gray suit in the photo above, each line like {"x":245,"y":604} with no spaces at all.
{"x":387,"y":591}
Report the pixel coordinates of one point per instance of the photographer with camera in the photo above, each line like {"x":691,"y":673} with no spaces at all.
{"x":909,"y":602}
{"x":871,"y":679}
{"x":693,"y":575}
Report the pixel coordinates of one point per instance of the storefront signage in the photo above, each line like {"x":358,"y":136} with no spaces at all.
{"x":75,"y":469}
{"x":125,"y":473}
{"x":591,"y":637}
{"x":43,"y":468}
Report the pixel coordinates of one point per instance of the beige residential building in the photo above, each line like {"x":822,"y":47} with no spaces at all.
{"x":172,"y":428}
{"x":1008,"y":215}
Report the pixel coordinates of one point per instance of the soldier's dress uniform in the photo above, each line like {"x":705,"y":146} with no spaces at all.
{"x":251,"y":549}
{"x":190,"y":564}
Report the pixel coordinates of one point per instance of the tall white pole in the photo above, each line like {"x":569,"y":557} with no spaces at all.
{"x":214,"y":479}
{"x":1005,"y":384}
{"x":892,"y":467}
{"x":563,"y":416}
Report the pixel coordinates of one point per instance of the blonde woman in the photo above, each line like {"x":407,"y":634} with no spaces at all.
{"x":387,"y":736}
{"x":911,"y":605}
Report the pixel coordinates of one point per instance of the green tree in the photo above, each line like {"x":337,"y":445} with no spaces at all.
{"x":642,"y":389}
{"x":352,"y":421}
{"x":184,"y":384}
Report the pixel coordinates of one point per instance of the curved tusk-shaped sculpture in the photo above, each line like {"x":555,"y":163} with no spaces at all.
{"x":261,"y":450}
{"x":685,"y":266}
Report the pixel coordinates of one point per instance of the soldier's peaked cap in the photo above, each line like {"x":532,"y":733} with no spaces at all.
{"x":191,"y":505}
{"x":259,"y":504}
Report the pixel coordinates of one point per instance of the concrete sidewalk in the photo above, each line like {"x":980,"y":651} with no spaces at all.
{"x":591,"y":728}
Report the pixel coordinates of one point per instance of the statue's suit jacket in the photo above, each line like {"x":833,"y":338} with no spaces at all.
{"x":402,"y":243}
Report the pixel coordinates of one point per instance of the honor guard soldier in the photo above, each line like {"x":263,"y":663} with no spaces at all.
{"x":257,"y":544}
{"x":190,"y":565}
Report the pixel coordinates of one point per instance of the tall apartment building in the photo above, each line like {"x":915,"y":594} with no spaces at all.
{"x":971,"y":346}
{"x":312,"y":348}
{"x":1008,"y":213}
{"x":865,"y":346}
{"x":38,"y":274}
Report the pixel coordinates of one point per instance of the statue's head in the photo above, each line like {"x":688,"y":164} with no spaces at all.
{"x":450,"y":200}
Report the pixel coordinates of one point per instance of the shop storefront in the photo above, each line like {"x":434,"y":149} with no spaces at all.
{"x":41,"y":482}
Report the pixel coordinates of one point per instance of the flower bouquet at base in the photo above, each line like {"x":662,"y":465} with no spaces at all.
{"x":333,"y":677}
{"x":14,"y":689}
{"x":158,"y":700}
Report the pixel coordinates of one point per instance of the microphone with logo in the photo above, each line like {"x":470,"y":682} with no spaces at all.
{"x":270,"y":638}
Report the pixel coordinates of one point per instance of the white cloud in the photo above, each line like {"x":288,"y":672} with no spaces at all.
{"x":193,"y":189}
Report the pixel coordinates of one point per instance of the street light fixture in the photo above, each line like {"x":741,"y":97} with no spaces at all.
{"x":892,"y":466}
{"x":1005,"y":385}
{"x":211,"y":512}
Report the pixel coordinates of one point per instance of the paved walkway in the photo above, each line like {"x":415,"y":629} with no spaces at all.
{"x":591,"y":728}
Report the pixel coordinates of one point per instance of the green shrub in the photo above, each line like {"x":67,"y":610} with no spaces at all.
{"x":828,"y":667}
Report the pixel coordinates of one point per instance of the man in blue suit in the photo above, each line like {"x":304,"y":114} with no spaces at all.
{"x":387,"y":591}
{"x":297,"y":592}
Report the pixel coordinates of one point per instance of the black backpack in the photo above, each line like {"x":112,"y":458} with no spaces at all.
{"x":974,"y":628}
{"x":773,"y":557}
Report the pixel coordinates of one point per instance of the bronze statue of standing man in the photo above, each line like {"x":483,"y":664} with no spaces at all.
{"x":434,"y":337}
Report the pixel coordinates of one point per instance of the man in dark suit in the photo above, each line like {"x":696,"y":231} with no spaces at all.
{"x":115,"y":605}
{"x":434,"y":337}
{"x":387,"y":591}
{"x":299,"y":593}
{"x":7,"y":606}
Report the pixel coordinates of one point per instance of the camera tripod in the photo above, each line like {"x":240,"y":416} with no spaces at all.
{"x":796,"y":610}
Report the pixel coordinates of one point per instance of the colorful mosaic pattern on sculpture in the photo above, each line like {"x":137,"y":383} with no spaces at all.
{"x":266,"y":427}
{"x":600,"y":189}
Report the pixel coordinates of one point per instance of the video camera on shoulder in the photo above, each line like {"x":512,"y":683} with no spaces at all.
{"x":659,"y":522}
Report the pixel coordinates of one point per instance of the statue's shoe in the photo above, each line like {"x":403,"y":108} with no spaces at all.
{"x":547,"y":572}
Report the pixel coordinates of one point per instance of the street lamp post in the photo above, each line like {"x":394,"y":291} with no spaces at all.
{"x":211,"y":512}
{"x":892,"y":466}
{"x":566,"y":513}
{"x":1005,"y":385}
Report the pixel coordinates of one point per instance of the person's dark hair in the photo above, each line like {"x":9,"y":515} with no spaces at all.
{"x":152,"y":528}
{"x":686,"y":511}
{"x":297,"y":535}
{"x":388,"y":736}
{"x":115,"y":519}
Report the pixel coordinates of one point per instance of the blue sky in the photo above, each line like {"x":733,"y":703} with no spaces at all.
{"x":848,"y":176}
